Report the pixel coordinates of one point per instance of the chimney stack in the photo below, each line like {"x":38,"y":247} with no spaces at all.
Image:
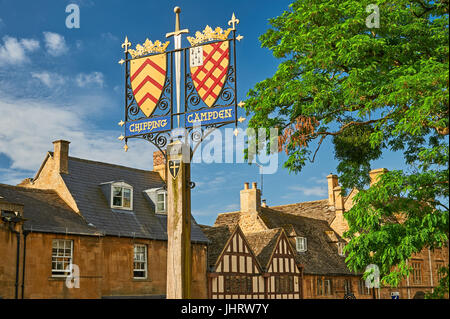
{"x":250,"y":199}
{"x":375,"y":174}
{"x":339,"y":224}
{"x":61,"y":156}
{"x":159,"y":164}
{"x":332,"y":183}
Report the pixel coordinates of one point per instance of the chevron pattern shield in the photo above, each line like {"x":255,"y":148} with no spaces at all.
{"x":210,"y":76}
{"x":148,"y":76}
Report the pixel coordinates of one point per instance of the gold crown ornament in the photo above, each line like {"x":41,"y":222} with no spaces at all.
{"x":209,"y":35}
{"x":148,"y":47}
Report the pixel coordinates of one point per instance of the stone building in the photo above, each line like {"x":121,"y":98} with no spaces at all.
{"x":108,"y":221}
{"x":316,"y":248}
{"x":315,"y":230}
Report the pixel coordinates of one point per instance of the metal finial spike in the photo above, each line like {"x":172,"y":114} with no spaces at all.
{"x":239,"y":37}
{"x":241,"y":104}
{"x":241,"y":119}
{"x":121,"y":123}
{"x":126,"y":44}
{"x":233,"y":21}
{"x":125,"y":147}
{"x":121,"y":137}
{"x":236,"y":132}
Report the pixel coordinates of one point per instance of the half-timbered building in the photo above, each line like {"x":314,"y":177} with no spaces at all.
{"x":281,"y":272}
{"x":233,"y":269}
{"x":259,"y":266}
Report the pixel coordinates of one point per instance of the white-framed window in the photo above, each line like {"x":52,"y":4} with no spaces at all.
{"x":140,"y":261}
{"x":62,"y":252}
{"x":161,"y":202}
{"x":301,"y":244}
{"x":341,"y":249}
{"x":121,"y":196}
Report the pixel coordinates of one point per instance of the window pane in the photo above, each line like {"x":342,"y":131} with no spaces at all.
{"x":117,"y":201}
{"x":117,"y":191}
{"x":140,"y":261}
{"x":126,"y":197}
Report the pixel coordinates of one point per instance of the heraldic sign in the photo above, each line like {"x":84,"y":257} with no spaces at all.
{"x":155,"y":84}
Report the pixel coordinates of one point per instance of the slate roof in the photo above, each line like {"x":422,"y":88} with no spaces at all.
{"x":83,"y":182}
{"x":45,"y":211}
{"x":321,"y":257}
{"x":318,"y":209}
{"x":218,"y":237}
{"x":227,"y":219}
{"x":263,"y":244}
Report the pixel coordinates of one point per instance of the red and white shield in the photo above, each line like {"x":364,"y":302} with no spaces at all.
{"x":209,"y":67}
{"x":148,"y":76}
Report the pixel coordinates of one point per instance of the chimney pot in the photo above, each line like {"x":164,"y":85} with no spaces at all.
{"x":254,"y":185}
{"x":264,"y":204}
{"x":245,"y":185}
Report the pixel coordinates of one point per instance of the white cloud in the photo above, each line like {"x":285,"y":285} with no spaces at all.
{"x":50,"y":79}
{"x":94,"y":78}
{"x":30,"y":126}
{"x":55,"y":44}
{"x":310,"y":191}
{"x":30,"y":44}
{"x":14,"y":51}
{"x":109,"y":36}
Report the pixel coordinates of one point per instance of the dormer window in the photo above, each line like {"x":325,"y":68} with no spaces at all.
{"x":122,"y":196}
{"x":341,"y":249}
{"x":161,"y":202}
{"x":157,"y":197}
{"x":301,"y":244}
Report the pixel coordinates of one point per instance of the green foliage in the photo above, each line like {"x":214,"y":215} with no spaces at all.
{"x":370,"y":90}
{"x":442,"y":290}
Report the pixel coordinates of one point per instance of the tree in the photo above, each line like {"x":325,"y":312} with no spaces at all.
{"x":370,"y":90}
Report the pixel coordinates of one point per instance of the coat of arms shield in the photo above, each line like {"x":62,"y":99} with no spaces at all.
{"x":209,"y":67}
{"x":147,"y":76}
{"x":174,"y":168}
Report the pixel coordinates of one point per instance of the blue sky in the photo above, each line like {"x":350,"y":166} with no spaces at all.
{"x":60,"y":83}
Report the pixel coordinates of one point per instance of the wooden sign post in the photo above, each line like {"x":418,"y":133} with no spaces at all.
{"x":179,"y":260}
{"x":153,"y":83}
